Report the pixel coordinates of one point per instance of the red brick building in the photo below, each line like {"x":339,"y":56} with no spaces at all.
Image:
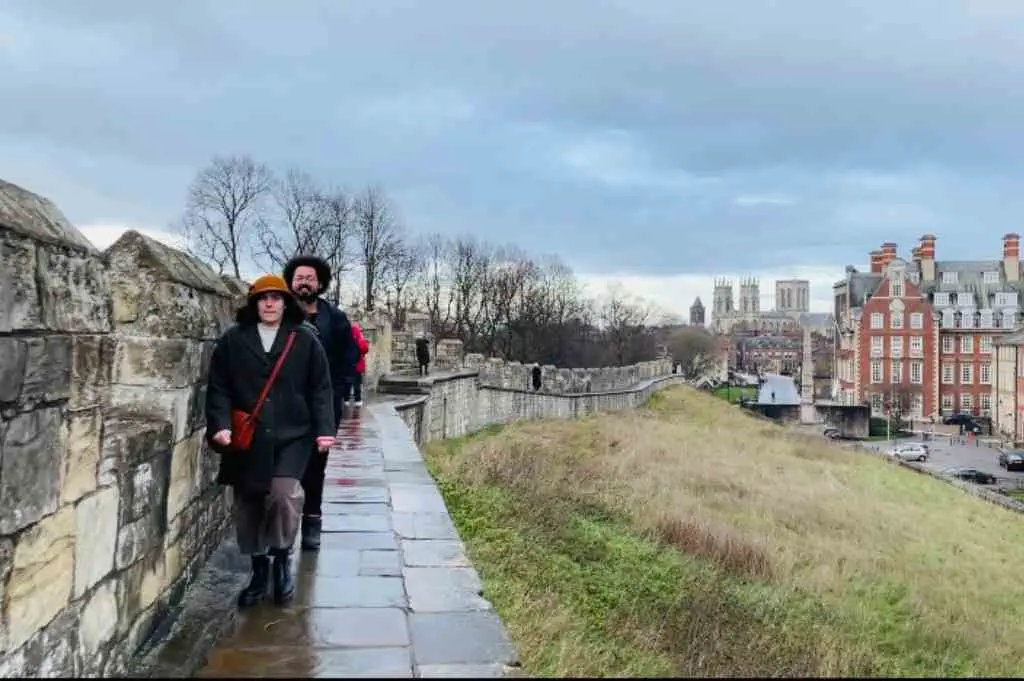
{"x":921,"y":333}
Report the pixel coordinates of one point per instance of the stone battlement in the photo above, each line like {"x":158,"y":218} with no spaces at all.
{"x":498,"y":373}
{"x":107,"y":501}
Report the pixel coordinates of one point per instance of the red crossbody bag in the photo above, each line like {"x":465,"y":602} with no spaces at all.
{"x":243,"y":425}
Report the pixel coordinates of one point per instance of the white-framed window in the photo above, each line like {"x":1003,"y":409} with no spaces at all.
{"x":896,"y":371}
{"x":948,"y":375}
{"x":917,"y":372}
{"x":985,"y":345}
{"x":948,"y":318}
{"x":966,"y":373}
{"x":876,"y":402}
{"x":876,"y":371}
{"x":896,"y":286}
{"x":947,"y":345}
{"x":986,"y":319}
{"x":1009,"y":320}
{"x":877,"y":347}
{"x":966,"y":345}
{"x":877,"y":320}
{"x":917,"y":346}
{"x":947,"y":402}
{"x":986,"y":404}
{"x":949,"y":277}
{"x":966,"y":402}
{"x":916,"y":405}
{"x":990,"y":277}
{"x":985,"y":373}
{"x":896,"y":320}
{"x":1006,"y":299}
{"x":916,"y":321}
{"x":896,"y":346}
{"x":941,"y":299}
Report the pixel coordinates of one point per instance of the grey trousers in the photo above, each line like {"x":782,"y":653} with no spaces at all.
{"x":269,"y":521}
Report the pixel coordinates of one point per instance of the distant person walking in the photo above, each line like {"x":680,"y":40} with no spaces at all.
{"x":423,"y":355}
{"x":356,"y":385}
{"x":308,"y":277}
{"x":536,"y":378}
{"x":268,"y":406}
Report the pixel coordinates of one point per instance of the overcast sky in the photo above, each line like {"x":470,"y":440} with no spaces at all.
{"x":660,"y":142}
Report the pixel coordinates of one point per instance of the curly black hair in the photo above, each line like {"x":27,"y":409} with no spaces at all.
{"x":323,"y":270}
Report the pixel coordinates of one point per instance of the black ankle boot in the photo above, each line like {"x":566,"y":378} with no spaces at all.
{"x":257,"y":589}
{"x":284,"y":583}
{"x":311,"y":533}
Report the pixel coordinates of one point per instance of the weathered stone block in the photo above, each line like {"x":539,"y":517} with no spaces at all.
{"x":99,"y":618}
{"x":96,"y":538}
{"x":185,"y":480}
{"x":19,"y":293}
{"x":171,"y":405}
{"x":128,"y":440}
{"x":157,"y":362}
{"x":13,"y":357}
{"x":47,"y":369}
{"x":30,"y":467}
{"x":81,"y":464}
{"x":144,"y":490}
{"x":6,"y":564}
{"x":91,"y":360}
{"x":41,"y":581}
{"x":74,"y":291}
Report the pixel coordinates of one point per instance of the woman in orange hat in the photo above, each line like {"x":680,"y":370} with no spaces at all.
{"x":268,"y":400}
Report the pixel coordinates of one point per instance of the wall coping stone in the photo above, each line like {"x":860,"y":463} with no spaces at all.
{"x":173,"y":265}
{"x":36,"y":217}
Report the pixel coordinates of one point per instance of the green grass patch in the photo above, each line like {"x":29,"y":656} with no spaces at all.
{"x":585,"y":589}
{"x":734,"y":393}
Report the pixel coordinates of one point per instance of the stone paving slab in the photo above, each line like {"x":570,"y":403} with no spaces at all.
{"x":391,"y":593}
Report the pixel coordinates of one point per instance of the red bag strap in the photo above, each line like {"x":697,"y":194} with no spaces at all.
{"x":273,"y":376}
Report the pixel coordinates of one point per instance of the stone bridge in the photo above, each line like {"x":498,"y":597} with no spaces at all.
{"x":116,"y":557}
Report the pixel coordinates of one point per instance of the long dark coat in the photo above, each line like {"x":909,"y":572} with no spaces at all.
{"x":298,"y":409}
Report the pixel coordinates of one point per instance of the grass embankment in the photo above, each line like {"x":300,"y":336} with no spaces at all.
{"x":734,"y":393}
{"x":688,"y":538}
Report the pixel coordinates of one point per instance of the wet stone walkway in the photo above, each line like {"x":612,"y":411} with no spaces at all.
{"x":390,"y":593}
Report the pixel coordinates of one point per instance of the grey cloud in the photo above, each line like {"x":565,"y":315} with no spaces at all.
{"x":622,"y":135}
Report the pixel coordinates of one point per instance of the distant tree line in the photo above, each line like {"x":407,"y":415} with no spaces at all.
{"x":497,"y":299}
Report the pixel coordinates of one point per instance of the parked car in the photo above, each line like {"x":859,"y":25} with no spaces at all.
{"x":831,"y":433}
{"x":966,"y":423}
{"x":910,"y":452}
{"x":971,"y":475}
{"x":1012,"y":461}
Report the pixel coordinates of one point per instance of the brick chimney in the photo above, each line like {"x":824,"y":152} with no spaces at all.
{"x":927,"y":251}
{"x":915,"y":254}
{"x":1011,"y":256}
{"x":888,"y":253}
{"x":876,"y":262}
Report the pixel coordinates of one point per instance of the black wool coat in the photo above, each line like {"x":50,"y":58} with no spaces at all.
{"x":298,"y":409}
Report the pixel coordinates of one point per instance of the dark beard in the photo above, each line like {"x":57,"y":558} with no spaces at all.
{"x":306,"y":295}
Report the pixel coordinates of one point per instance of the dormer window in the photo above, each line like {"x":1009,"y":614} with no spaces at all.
{"x":941,"y":298}
{"x":990,"y":277}
{"x":896,"y":286}
{"x":949,"y":277}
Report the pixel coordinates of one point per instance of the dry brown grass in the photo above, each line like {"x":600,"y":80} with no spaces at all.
{"x":898,"y":559}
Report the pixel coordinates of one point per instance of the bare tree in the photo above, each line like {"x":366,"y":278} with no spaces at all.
{"x":624,"y":319}
{"x":222,"y":211}
{"x":338,"y":227}
{"x":401,"y":266}
{"x":695,"y":349}
{"x":377,"y":236}
{"x":298,"y":222}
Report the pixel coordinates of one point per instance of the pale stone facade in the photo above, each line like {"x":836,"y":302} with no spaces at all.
{"x":108,"y":500}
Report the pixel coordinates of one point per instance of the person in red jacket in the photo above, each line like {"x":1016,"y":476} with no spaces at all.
{"x":357,"y":380}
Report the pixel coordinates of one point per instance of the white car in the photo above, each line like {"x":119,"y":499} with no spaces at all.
{"x":910,"y":452}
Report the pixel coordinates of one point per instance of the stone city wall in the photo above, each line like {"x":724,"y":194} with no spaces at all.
{"x":460,"y":403}
{"x":107,"y":502}
{"x":518,"y":376}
